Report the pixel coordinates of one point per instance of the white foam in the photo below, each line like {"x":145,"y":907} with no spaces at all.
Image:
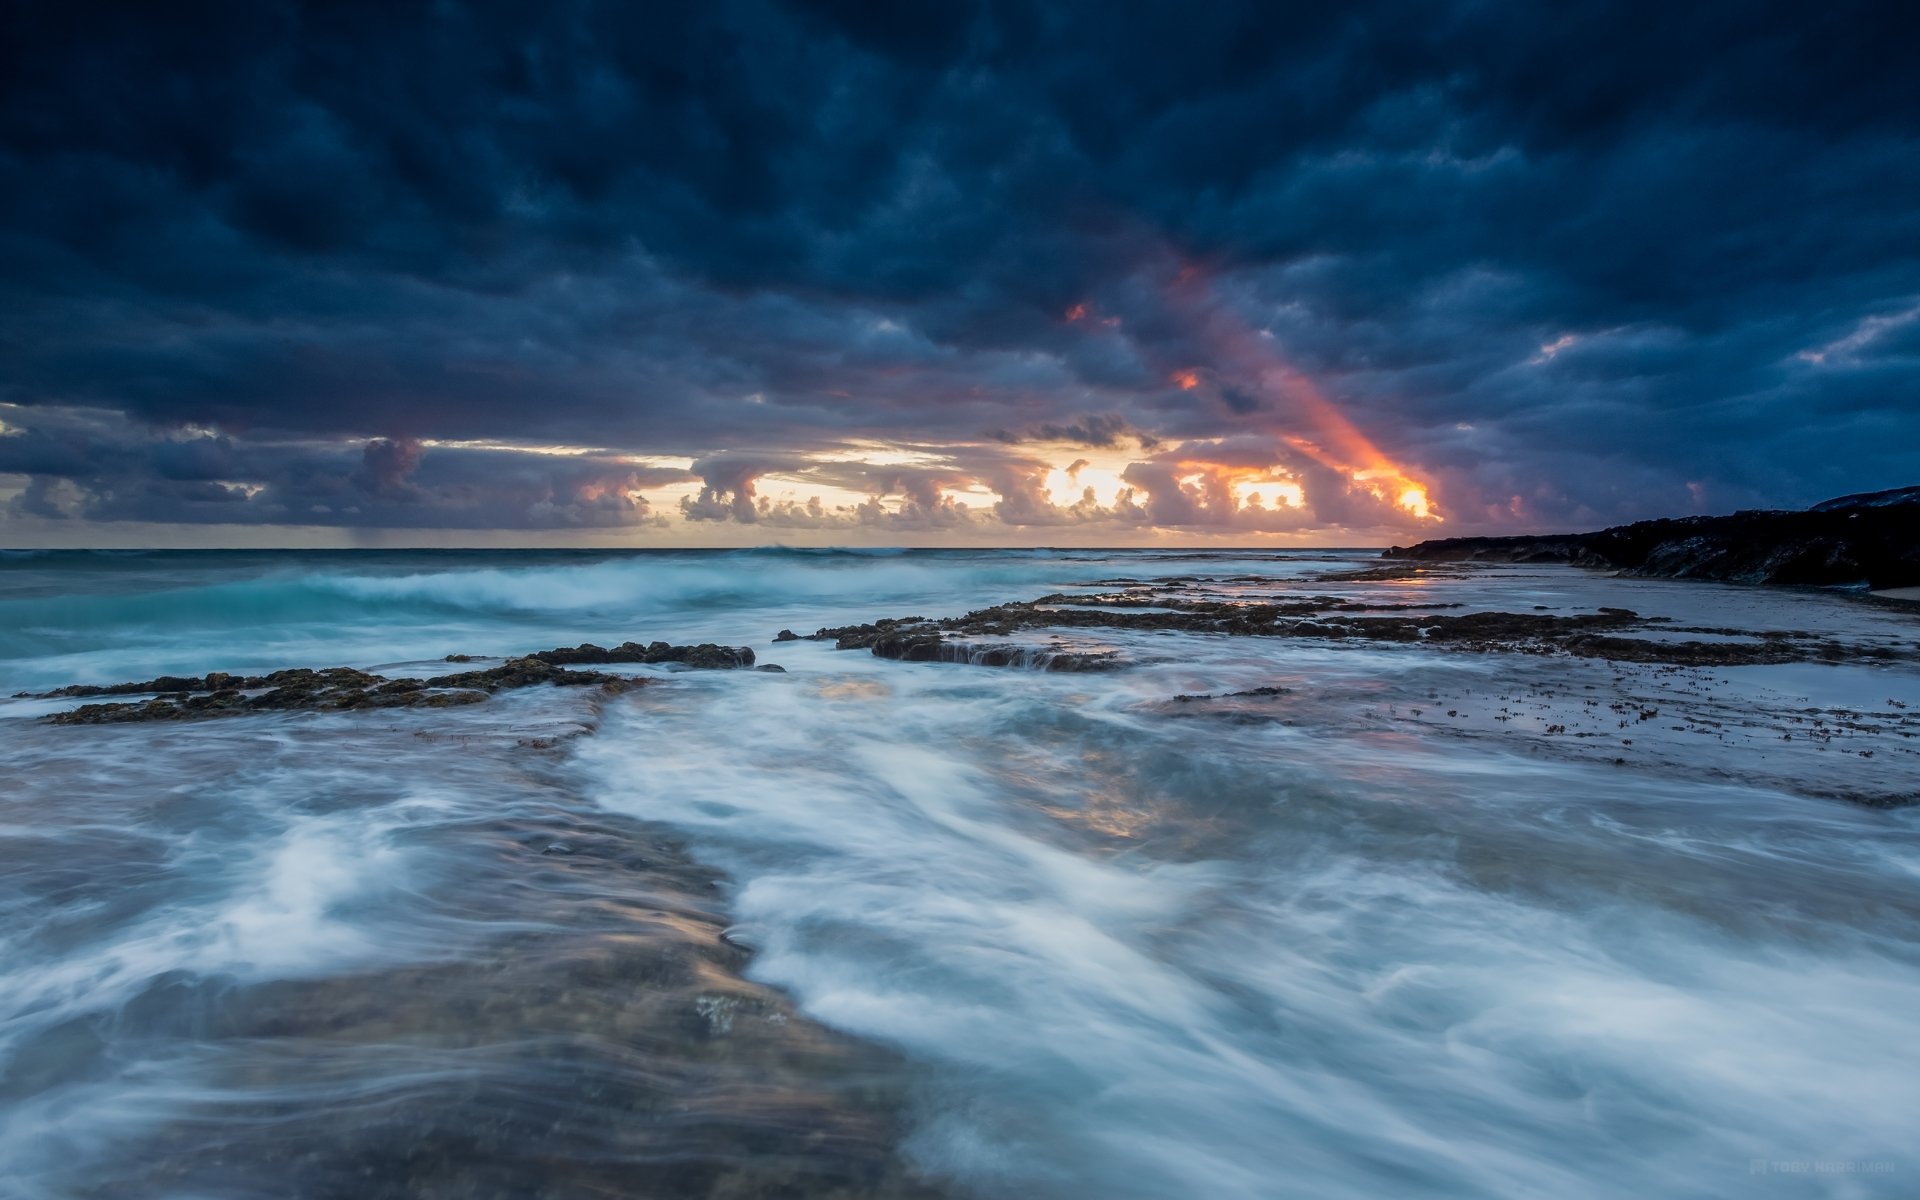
{"x":1413,"y":969}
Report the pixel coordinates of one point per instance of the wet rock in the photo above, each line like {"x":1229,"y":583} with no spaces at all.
{"x":1223,"y":707}
{"x":1595,"y":634}
{"x":776,"y":668}
{"x":450,"y":699}
{"x":1327,"y":629}
{"x":915,"y":647}
{"x":861,"y":637}
{"x":98,"y":714}
{"x":602,"y":1044}
{"x":165,"y":683}
{"x":1256,"y":619}
{"x":333,"y":690}
{"x":1692,"y":654}
{"x":705,"y":656}
{"x":786,"y":635}
{"x":1869,"y":799}
{"x":932,"y":647}
{"x":346,"y":688}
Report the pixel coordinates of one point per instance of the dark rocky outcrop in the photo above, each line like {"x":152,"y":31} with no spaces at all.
{"x":705,"y":656}
{"x":912,"y":639}
{"x":343,"y":688}
{"x":1607,"y":633}
{"x":339,"y":689}
{"x":862,"y":637}
{"x":1872,"y":539}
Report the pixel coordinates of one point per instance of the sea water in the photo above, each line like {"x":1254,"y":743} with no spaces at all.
{"x":1099,"y":946}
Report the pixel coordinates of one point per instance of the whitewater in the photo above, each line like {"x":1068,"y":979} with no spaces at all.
{"x":867,"y":927}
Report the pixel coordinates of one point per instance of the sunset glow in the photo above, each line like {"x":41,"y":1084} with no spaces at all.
{"x":1295,"y":408}
{"x":1165,"y":327}
{"x":1069,"y":485}
{"x":1288,"y":452}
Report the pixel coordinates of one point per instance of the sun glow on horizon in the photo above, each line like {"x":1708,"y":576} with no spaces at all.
{"x":1087,"y":469}
{"x":1314,"y":425}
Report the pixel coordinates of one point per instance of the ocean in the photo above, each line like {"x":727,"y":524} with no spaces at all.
{"x":869,"y":927}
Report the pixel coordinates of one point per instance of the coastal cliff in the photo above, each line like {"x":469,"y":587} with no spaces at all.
{"x":1870,"y":539}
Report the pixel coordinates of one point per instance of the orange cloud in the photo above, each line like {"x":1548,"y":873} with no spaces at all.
{"x":1315,"y":425}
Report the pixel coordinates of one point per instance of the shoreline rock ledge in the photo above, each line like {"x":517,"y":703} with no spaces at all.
{"x":220,"y":694}
{"x":1867,"y":540}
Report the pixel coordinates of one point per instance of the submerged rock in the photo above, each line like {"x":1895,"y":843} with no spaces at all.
{"x":600,"y":1042}
{"x":933,"y":647}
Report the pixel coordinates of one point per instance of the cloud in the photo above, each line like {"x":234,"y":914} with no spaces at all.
{"x":385,"y":466}
{"x":273,"y":250}
{"x":86,"y":465}
{"x":1098,"y":429}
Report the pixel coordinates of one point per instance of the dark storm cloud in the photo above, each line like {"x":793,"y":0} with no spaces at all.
{"x":1097,"y":429}
{"x":1572,"y":264}
{"x":84,"y":465}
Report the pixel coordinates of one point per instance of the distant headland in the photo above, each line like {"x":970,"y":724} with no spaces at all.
{"x":1869,"y":540}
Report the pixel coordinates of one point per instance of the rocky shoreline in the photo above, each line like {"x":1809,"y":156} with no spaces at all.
{"x":1148,"y":608}
{"x":1625,"y":662}
{"x":347,"y":688}
{"x":1179,"y":605}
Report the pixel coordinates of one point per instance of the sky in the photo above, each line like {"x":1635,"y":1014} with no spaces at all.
{"x":826,"y":272}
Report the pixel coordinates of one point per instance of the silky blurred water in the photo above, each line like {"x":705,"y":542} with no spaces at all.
{"x":1096,"y":947}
